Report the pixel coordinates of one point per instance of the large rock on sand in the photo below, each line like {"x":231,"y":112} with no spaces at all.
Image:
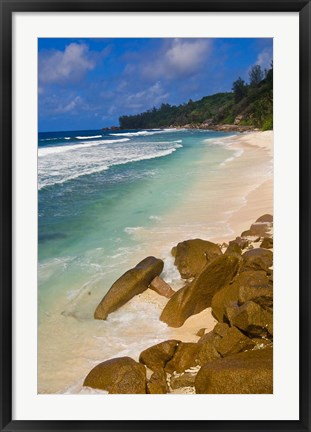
{"x":251,"y":319}
{"x":233,"y":248}
{"x":186,"y":356}
{"x":186,"y":379}
{"x":221,"y":329}
{"x":161,"y":287}
{"x":248,"y":285}
{"x":260,"y":292}
{"x":233,"y":342}
{"x":222,"y":300}
{"x":197,"y":296}
{"x":133,"y":282}
{"x":121,"y":375}
{"x":157,"y":383}
{"x":156,"y":356}
{"x":249,"y":372}
{"x":210,"y":336}
{"x":208,"y":352}
{"x":223,"y":341}
{"x":267,"y":243}
{"x":261,"y":228}
{"x":257,"y":259}
{"x":241,"y":242}
{"x":265,"y":218}
{"x":191,"y":256}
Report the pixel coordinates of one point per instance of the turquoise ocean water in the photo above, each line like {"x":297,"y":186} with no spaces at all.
{"x":97,"y":191}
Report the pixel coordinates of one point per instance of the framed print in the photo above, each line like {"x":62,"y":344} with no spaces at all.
{"x":155,"y":215}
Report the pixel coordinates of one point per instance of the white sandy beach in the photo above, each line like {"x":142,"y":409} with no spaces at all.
{"x":257,"y":146}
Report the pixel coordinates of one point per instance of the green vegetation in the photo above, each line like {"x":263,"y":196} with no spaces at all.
{"x":247,"y":105}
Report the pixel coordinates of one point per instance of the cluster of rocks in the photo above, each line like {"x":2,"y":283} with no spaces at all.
{"x":236,"y":281}
{"x":111,"y":128}
{"x":207,"y":124}
{"x":233,"y":128}
{"x":210,"y":125}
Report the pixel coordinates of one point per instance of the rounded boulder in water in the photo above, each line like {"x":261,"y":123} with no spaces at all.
{"x":133,"y":282}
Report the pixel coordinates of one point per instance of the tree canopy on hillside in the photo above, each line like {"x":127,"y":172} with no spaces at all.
{"x":251,"y":103}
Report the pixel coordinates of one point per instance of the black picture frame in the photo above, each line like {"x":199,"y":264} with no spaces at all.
{"x":7,"y":9}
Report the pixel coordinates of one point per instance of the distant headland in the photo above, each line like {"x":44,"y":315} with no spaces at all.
{"x":248,"y":107}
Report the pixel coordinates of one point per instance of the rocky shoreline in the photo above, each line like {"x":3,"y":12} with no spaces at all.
{"x":203,"y":126}
{"x":235,"y":280}
{"x":220,"y":127}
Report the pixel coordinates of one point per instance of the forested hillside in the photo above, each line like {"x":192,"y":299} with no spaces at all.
{"x":249,"y":104}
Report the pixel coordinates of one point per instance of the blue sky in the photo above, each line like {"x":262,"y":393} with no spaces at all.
{"x":89,"y":83}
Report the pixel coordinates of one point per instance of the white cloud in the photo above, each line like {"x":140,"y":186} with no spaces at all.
{"x":178,"y":58}
{"x":111,"y":110}
{"x":70,"y":106}
{"x":264,"y":58}
{"x":65,"y":66}
{"x":122,"y":85}
{"x":151,"y":96}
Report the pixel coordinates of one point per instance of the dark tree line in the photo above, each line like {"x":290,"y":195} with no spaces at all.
{"x":252,"y":102}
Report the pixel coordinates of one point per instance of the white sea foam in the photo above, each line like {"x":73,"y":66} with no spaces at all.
{"x":236,"y":154}
{"x":54,"y":262}
{"x":217,"y":141}
{"x":126,"y":332}
{"x":147,"y":132}
{"x":52,"y":266}
{"x":60,"y":164}
{"x":152,"y":155}
{"x":72,"y":176}
{"x":88,"y":137}
{"x":173,"y":130}
{"x":170,"y":273}
{"x":224,"y":141}
{"x":77,"y":388}
{"x":132,"y":230}
{"x":156,"y":218}
{"x":43,"y":151}
{"x":48,"y":139}
{"x":134,"y":134}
